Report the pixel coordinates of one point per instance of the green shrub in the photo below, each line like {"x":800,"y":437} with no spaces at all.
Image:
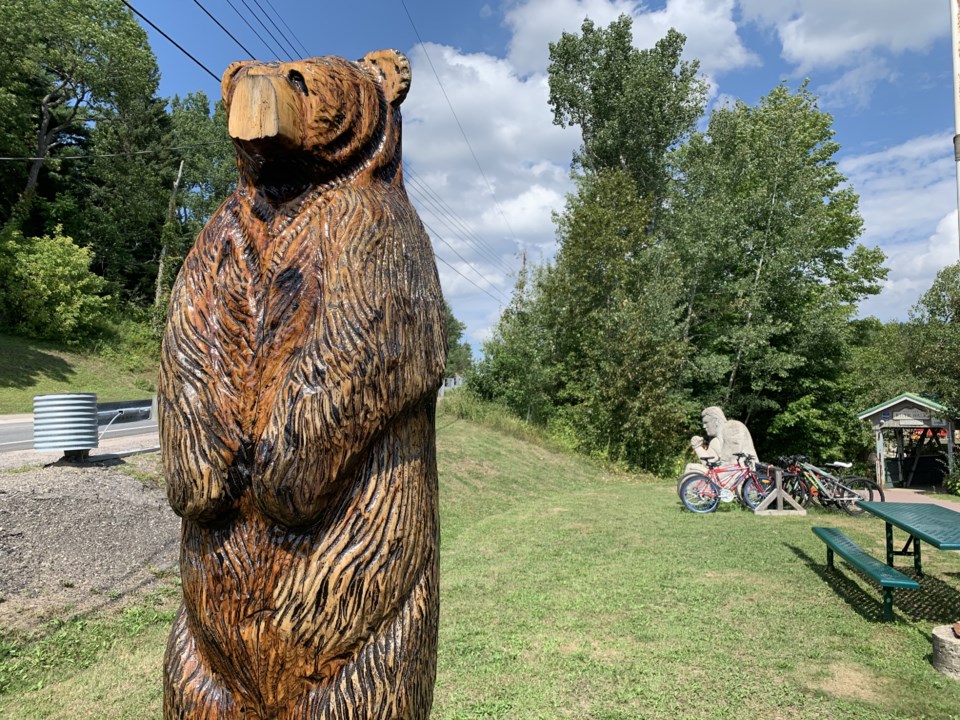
{"x":48,"y":289}
{"x":951,"y":481}
{"x":462,"y":404}
{"x":131,"y":343}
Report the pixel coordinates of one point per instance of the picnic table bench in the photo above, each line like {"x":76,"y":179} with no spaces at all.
{"x":886,"y":576}
{"x":933,"y":524}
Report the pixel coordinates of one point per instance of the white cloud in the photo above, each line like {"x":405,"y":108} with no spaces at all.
{"x":824,"y":33}
{"x":710,"y":29}
{"x":720,"y":102}
{"x":708,"y":24}
{"x":479,"y":220}
{"x":907,"y":191}
{"x":913,"y":267}
{"x":908,"y":202}
{"x":536,"y":23}
{"x":855,"y":87}
{"x":905,"y":188}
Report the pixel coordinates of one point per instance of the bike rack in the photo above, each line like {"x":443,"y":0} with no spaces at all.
{"x":779,"y":496}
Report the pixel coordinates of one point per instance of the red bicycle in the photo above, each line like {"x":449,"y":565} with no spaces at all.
{"x":703,"y":492}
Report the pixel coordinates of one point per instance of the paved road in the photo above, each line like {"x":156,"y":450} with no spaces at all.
{"x":16,"y":431}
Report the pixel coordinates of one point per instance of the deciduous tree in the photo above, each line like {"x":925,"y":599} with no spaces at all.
{"x":935,"y":337}
{"x":206,"y":174}
{"x":610,"y":308}
{"x":85,"y":55}
{"x":119,"y":201}
{"x":765,"y":227}
{"x":631,"y":105}
{"x":517,"y":368}
{"x":47,"y":289}
{"x":459,"y":353}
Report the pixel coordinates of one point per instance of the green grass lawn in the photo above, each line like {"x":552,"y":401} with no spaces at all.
{"x":572,"y":592}
{"x":30,"y":367}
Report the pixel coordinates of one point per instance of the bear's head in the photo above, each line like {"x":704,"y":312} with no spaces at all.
{"x":315,"y":122}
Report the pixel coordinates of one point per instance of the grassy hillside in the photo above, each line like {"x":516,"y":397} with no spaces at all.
{"x":29,"y":367}
{"x":571,"y":592}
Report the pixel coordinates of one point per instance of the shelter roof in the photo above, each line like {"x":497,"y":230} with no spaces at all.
{"x":909,"y":397}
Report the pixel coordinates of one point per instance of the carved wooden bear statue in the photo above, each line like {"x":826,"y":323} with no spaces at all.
{"x":303,"y":352}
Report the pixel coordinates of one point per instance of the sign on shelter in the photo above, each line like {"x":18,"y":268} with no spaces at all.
{"x":920,"y":427}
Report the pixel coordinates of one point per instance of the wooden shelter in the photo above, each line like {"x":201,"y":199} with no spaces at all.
{"x":919,"y":426}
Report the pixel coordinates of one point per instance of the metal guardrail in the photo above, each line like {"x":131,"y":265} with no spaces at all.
{"x":123,"y":411}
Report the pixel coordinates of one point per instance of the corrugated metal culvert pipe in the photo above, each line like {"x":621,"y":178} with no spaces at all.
{"x":66,"y":421}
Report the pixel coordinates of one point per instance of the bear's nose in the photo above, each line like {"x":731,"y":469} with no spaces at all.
{"x":298,"y":82}
{"x":264,"y":107}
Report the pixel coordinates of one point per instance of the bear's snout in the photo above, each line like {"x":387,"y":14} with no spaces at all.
{"x":265,"y":107}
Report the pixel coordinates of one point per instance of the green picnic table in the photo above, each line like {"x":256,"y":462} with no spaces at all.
{"x":933,"y":524}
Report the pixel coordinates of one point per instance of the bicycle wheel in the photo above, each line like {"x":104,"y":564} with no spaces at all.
{"x":754,"y":489}
{"x":817,"y":494}
{"x":850,"y":490}
{"x":797,"y":488}
{"x":683,"y":478}
{"x":876,"y":489}
{"x":699,"y":494}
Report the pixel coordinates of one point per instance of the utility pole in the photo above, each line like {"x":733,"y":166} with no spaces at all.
{"x":955,"y":35}
{"x":163,"y":287}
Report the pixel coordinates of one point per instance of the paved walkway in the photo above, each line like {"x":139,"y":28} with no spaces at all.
{"x":918,"y":496}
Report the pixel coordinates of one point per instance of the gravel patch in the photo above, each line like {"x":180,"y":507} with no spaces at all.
{"x":75,"y":537}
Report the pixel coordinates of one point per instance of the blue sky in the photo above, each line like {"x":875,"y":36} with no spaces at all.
{"x":882,"y":68}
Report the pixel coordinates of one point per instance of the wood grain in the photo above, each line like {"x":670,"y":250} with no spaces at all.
{"x":303,"y":351}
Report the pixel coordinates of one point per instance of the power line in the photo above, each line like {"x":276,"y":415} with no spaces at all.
{"x":290,"y":45}
{"x":426,"y":204}
{"x":175,"y":43}
{"x":430,"y":196}
{"x":257,"y":18}
{"x":112,"y":155}
{"x":282,"y":34}
{"x":210,"y":15}
{"x":448,"y":223}
{"x":263,"y":42}
{"x":418,"y":182}
{"x":449,"y":219}
{"x":306,"y":53}
{"x":468,"y":263}
{"x":496,"y":300}
{"x":454,"y":113}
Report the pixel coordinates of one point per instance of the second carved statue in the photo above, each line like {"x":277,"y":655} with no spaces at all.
{"x":302,"y":356}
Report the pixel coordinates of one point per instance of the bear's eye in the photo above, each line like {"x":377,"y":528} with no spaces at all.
{"x":298,"y":82}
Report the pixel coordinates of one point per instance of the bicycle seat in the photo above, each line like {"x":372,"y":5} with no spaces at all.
{"x":839,"y":464}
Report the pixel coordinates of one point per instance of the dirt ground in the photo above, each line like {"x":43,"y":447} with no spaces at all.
{"x":78,"y":537}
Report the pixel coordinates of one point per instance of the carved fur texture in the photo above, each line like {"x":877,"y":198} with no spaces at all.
{"x":303,"y":352}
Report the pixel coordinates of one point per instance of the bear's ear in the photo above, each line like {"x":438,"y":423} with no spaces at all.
{"x":228,"y":76}
{"x":394,"y":69}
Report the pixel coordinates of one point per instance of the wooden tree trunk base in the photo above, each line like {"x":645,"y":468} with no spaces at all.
{"x":946,"y":651}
